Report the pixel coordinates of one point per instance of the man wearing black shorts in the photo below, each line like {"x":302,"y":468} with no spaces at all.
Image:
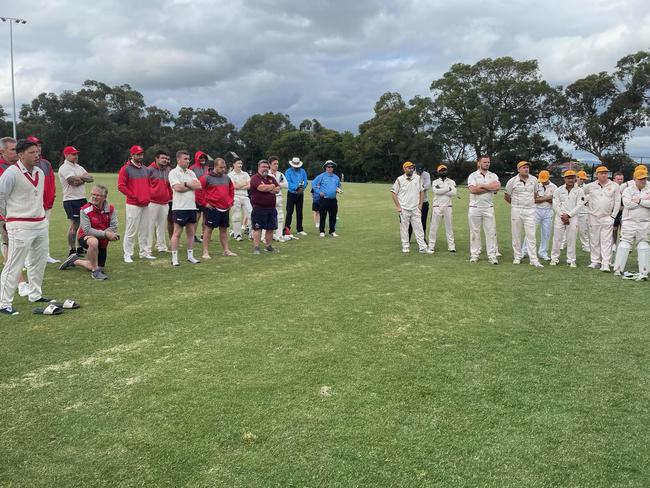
{"x":263,"y":190}
{"x":184,"y":183}
{"x":219,"y":196}
{"x":98,"y":226}
{"x":73,"y":177}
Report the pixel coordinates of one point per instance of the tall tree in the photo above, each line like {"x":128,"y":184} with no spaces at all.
{"x":259,"y":131}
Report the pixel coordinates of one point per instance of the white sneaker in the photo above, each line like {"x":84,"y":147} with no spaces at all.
{"x":553,"y":262}
{"x":605,"y":268}
{"x":406,"y":249}
{"x":617,"y":272}
{"x":193,"y":260}
{"x":51,"y":260}
{"x":493,"y":261}
{"x":515,"y":261}
{"x":573,"y":264}
{"x":322,"y":234}
{"x":147,"y":256}
{"x":594,"y":266}
{"x":499,"y":254}
{"x":317,"y":225}
{"x":128,"y":259}
{"x":23,"y":288}
{"x":334,"y":234}
{"x":538,"y":265}
{"x":432,"y":250}
{"x":302,"y":233}
{"x":426,"y":250}
{"x":473,"y":260}
{"x":163,"y":249}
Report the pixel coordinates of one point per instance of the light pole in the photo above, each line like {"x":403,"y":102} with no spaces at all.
{"x":11,"y":21}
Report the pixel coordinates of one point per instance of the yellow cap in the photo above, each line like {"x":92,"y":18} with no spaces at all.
{"x":570,"y":172}
{"x":544,"y":176}
{"x":407,"y":164}
{"x":522,"y":163}
{"x":602,"y":169}
{"x":582,"y":175}
{"x":441,"y":167}
{"x":640,"y":173}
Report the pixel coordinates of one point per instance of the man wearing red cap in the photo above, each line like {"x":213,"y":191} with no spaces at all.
{"x":73,"y":177}
{"x":133,"y":182}
{"x":49,"y":190}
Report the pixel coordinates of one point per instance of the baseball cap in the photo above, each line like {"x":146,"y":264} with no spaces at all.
{"x":602,"y":169}
{"x":640,"y":173}
{"x":136,"y":150}
{"x":407,"y":164}
{"x":34,"y":139}
{"x":582,"y":174}
{"x":544,"y":176}
{"x":570,"y":172}
{"x":441,"y":167}
{"x":520,"y":164}
{"x":69,"y":150}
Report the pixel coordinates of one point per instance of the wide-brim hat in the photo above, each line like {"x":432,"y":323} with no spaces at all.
{"x":329,"y":162}
{"x":295,"y":162}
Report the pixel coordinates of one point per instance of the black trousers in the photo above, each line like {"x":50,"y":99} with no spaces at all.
{"x":425,"y":213}
{"x":328,"y":206}
{"x":294,"y":200}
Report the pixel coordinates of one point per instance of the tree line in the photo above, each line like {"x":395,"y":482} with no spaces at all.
{"x":501,"y":107}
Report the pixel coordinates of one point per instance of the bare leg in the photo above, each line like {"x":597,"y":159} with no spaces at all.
{"x":223,"y":237}
{"x":257,"y":234}
{"x":207,"y":237}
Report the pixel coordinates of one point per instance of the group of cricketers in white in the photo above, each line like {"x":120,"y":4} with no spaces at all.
{"x":534,"y":201}
{"x":568,"y":209}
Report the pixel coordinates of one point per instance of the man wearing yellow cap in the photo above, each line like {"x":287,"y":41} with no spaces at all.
{"x":583,"y":215}
{"x":520,"y":193}
{"x":482,"y":185}
{"x":444,"y":190}
{"x":544,"y":211}
{"x":568,"y":199}
{"x":408,"y":195}
{"x":604,"y":200}
{"x":635,"y":225}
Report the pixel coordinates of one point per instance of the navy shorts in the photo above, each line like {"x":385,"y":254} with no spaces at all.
{"x":315,"y":206}
{"x":73,"y":207}
{"x":264,"y":218}
{"x":184,"y":217}
{"x":213,"y":218}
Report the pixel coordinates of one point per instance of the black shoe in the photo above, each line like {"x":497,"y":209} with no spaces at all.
{"x":81,"y":251}
{"x":41,"y":300}
{"x":72,"y":251}
{"x":8,"y":311}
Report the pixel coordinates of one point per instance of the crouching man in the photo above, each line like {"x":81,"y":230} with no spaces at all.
{"x":97,"y":227}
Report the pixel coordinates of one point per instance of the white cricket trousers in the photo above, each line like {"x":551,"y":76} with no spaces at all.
{"x":600,"y":238}
{"x":414,"y":218}
{"x":27,"y":248}
{"x":279,"y":207}
{"x":561,"y":233}
{"x":545,"y":221}
{"x":241,"y":204}
{"x":482,"y":216}
{"x":438,"y":214}
{"x":158,"y":226}
{"x":137,"y":222}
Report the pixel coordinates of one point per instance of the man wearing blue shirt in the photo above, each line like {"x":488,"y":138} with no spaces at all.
{"x":327,"y":185}
{"x":296,"y":183}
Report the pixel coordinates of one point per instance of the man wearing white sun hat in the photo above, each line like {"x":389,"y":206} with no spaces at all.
{"x":296,"y":184}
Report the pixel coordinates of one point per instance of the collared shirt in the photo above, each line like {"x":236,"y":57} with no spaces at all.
{"x":444,"y":189}
{"x":239,"y":178}
{"x":604,"y":200}
{"x":182,"y":200}
{"x":545,"y":191}
{"x":296,"y":178}
{"x":636,"y":212}
{"x":262,"y":199}
{"x":70,"y":192}
{"x":282,"y":181}
{"x":326,"y":184}
{"x":568,"y":202}
{"x":522,"y":192}
{"x":483,"y":200}
{"x":21,"y":197}
{"x":408,"y":191}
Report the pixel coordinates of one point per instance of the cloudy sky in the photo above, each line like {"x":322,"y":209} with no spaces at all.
{"x":329,"y":60}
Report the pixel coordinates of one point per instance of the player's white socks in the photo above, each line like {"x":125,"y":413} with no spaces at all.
{"x":190,"y":256}
{"x":175,"y":258}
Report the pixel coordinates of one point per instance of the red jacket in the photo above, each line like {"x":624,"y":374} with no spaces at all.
{"x":199,"y":170}
{"x":160,"y":191}
{"x":134,"y":183}
{"x":100,"y":219}
{"x":219,"y":190}
{"x":49,"y":185}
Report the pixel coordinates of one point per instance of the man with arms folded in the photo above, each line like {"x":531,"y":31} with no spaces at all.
{"x":408,"y":196}
{"x":444,"y":190}
{"x":98,"y":226}
{"x":635,"y":225}
{"x":160,"y":194}
{"x":604,"y":199}
{"x":482,"y":185}
{"x":264,"y":216}
{"x":568,"y":200}
{"x":73,"y":177}
{"x":184,"y":183}
{"x":219,"y":195}
{"x":200,"y":168}
{"x":242,"y":181}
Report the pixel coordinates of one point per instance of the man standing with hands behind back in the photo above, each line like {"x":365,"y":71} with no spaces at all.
{"x":296,"y":184}
{"x":482,"y":185}
{"x":408,"y":196}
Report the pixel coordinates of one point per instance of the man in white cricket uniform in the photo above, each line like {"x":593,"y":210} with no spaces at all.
{"x":520,"y":193}
{"x":282,"y":181}
{"x":583,"y":216}
{"x":635,"y":224}
{"x":568,"y":200}
{"x":482,"y":185}
{"x":21,"y":202}
{"x":444,"y":190}
{"x":544,"y":211}
{"x":242,"y":181}
{"x":604,"y":200}
{"x":408,"y":195}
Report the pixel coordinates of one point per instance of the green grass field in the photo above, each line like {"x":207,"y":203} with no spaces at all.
{"x":337,"y":362}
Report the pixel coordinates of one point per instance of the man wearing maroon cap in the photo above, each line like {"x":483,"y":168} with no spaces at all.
{"x":133,"y":182}
{"x":49,"y":190}
{"x":73,"y":177}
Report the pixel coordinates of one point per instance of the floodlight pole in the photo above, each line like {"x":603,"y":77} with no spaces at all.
{"x":11,"y":49}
